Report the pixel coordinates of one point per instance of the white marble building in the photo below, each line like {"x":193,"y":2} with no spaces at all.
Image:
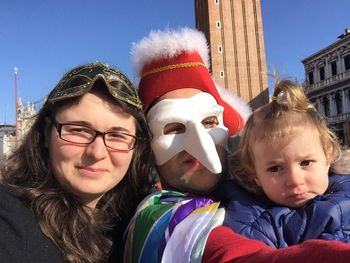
{"x":328,"y":84}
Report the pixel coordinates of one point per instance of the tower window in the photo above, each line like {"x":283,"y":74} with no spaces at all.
{"x":218,"y":24}
{"x":220,"y":49}
{"x":217,"y":2}
{"x":222,"y":74}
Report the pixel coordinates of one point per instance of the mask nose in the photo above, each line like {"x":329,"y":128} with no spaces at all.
{"x":201,"y":146}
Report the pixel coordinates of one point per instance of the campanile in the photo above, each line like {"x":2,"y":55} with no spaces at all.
{"x":234,"y":32}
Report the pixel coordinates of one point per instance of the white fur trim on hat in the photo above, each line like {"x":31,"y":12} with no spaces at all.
{"x":166,"y":44}
{"x":241,"y":106}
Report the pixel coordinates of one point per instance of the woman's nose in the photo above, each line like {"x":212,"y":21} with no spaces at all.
{"x":97,"y":149}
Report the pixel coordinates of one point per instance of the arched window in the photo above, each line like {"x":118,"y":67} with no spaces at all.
{"x":321,"y":73}
{"x":334,"y":69}
{"x":311,"y":77}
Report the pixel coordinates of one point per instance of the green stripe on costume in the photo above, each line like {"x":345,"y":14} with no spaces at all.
{"x":143,"y":224}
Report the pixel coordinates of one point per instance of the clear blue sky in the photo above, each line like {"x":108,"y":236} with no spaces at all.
{"x":45,"y":38}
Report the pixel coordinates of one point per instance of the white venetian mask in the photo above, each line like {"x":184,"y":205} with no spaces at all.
{"x":197,"y":140}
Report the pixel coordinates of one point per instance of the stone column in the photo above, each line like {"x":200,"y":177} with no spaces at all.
{"x":345,"y":99}
{"x":320,"y":107}
{"x":332,"y":107}
{"x":339,"y":64}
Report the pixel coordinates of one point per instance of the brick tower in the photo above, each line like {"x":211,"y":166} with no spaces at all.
{"x":234,"y":32}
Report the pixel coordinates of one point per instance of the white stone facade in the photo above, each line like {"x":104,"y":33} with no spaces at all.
{"x":7,"y":132}
{"x":327,"y":84}
{"x":8,"y":137}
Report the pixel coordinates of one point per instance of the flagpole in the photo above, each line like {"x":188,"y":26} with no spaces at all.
{"x":15,"y":69}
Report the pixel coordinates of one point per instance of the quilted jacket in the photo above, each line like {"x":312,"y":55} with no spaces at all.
{"x":327,"y":216}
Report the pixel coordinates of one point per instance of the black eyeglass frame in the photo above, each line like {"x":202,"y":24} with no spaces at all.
{"x":59,"y":126}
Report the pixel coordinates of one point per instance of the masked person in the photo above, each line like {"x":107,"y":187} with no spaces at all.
{"x":191,"y":121}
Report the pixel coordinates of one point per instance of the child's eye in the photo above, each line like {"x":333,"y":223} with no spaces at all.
{"x":305,"y":163}
{"x":274,"y":169}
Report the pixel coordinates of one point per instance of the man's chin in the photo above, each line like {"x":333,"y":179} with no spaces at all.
{"x":204,"y":188}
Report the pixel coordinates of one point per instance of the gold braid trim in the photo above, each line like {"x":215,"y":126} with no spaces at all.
{"x":173,"y":66}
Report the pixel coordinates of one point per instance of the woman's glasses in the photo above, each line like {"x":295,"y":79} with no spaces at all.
{"x":79,"y":134}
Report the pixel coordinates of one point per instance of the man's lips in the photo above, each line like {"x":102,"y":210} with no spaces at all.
{"x":192,"y":162}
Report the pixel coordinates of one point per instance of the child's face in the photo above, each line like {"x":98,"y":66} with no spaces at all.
{"x":293,"y":170}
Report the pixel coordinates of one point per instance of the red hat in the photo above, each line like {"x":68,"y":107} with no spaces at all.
{"x":170,"y":60}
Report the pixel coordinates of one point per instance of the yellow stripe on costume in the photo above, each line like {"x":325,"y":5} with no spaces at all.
{"x":209,"y":208}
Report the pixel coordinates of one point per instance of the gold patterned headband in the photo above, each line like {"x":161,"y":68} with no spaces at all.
{"x":173,"y":66}
{"x":81,"y":79}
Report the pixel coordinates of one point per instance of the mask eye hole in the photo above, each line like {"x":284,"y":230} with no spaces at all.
{"x":210,"y":122}
{"x":174,"y":128}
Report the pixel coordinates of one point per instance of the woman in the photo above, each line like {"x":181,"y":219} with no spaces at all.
{"x":78,"y":174}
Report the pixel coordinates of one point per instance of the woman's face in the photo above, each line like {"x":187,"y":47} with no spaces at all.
{"x":89,"y":171}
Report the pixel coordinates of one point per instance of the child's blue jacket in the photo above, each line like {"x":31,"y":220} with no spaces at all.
{"x":327,"y":216}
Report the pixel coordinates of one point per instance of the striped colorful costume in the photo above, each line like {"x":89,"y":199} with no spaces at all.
{"x":171,"y":227}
